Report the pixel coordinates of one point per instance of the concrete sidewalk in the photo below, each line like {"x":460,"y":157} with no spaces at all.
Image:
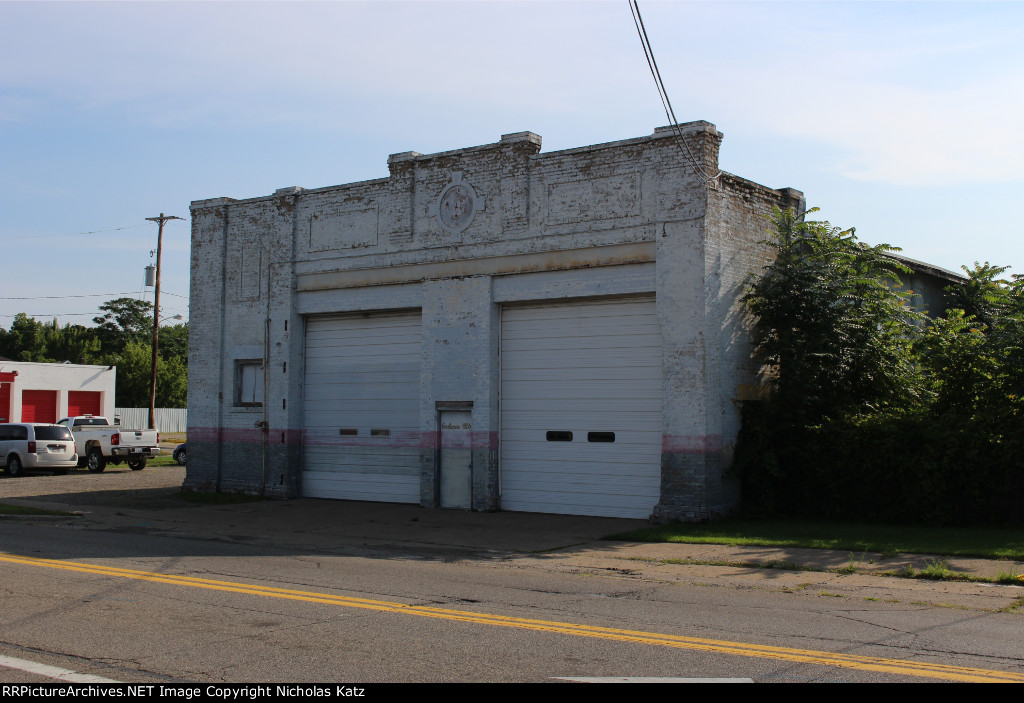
{"x":147,"y":501}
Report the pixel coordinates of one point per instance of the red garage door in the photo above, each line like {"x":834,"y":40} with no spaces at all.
{"x":39,"y":406}
{"x":5,"y":402}
{"x":83,"y":403}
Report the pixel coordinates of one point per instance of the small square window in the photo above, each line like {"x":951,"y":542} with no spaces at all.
{"x":249,"y":383}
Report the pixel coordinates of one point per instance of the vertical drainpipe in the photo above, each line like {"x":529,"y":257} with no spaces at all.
{"x":265,"y":426}
{"x":221,"y":346}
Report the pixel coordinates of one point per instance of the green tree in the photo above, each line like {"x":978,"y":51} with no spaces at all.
{"x":982,"y":297}
{"x":124,"y":320}
{"x":832,"y":327}
{"x":173,"y":342}
{"x":31,"y":340}
{"x":134,"y":366}
{"x":26,"y":340}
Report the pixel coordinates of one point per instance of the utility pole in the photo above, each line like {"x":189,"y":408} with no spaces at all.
{"x":156,"y":315}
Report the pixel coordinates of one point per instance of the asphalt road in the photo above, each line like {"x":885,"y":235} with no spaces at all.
{"x":145,"y":588}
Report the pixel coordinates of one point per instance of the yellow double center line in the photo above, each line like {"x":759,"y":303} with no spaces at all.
{"x":804,"y":656}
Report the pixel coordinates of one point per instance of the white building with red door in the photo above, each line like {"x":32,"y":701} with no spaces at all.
{"x":34,"y":392}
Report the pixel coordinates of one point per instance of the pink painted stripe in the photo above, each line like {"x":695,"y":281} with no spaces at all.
{"x":244,"y":435}
{"x":691,"y":444}
{"x":406,"y":439}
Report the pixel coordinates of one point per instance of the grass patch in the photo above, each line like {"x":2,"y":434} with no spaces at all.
{"x":938,"y":570}
{"x":852,"y":537}
{"x":6,"y":509}
{"x":1015,"y":605}
{"x":1010,"y":577}
{"x":218,"y":498}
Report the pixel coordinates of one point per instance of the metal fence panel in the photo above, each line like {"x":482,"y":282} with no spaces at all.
{"x":167,"y":419}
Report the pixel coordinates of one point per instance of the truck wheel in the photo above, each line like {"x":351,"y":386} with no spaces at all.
{"x":13,"y":467}
{"x":96,"y":462}
{"x":137,"y":463}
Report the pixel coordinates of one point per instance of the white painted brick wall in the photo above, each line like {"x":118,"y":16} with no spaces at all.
{"x":621,"y":218}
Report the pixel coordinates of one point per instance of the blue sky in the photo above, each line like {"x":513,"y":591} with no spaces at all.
{"x":905,"y":120}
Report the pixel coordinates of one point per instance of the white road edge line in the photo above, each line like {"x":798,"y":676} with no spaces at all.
{"x":645,"y":679}
{"x":53,"y":672}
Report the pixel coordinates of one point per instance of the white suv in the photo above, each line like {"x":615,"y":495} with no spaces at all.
{"x":33,"y":446}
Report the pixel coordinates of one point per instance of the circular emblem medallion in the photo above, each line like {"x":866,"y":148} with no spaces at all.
{"x":457,"y":204}
{"x":456,"y":207}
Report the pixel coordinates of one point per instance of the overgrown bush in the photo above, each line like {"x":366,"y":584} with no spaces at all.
{"x":872,"y":416}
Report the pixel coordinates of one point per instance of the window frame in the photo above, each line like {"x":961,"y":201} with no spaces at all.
{"x":243,"y":367}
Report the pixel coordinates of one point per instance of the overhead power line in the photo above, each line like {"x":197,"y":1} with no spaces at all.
{"x":56,"y":297}
{"x":54,"y":314}
{"x":695,"y":164}
{"x":49,"y":314}
{"x":72,"y":234}
{"x":84,"y":295}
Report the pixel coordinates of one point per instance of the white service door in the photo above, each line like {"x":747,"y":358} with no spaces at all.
{"x":360,"y":415}
{"x":581,"y":408}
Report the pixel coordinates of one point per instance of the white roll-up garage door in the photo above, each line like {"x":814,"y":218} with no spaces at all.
{"x":581,"y":408}
{"x":361,"y":435}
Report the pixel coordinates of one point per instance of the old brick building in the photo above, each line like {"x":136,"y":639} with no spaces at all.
{"x":487,"y":328}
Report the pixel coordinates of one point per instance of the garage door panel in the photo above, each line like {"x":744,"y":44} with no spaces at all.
{"x":396,"y":460}
{"x":582,"y":389}
{"x":587,"y":474}
{"x":609,"y":422}
{"x":576,"y":375}
{"x":362,"y":375}
{"x":572,"y":503}
{"x":581,"y":460}
{"x":582,"y":415}
{"x":575,"y":347}
{"x":634,"y":356}
{"x":572,"y":312}
{"x":582,"y":367}
{"x":365,"y":354}
{"x":601,"y":488}
{"x":393,"y":407}
{"x":370,"y":487}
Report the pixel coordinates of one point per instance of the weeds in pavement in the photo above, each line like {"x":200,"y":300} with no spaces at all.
{"x":937,"y":569}
{"x":850,"y":568}
{"x":1010,"y":577}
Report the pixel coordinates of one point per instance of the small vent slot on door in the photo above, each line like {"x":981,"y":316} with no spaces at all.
{"x":559,"y":436}
{"x":600,"y":436}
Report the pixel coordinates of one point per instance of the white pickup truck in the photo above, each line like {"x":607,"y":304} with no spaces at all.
{"x":98,"y":442}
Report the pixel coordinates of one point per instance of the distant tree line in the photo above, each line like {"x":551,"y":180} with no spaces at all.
{"x":875,"y":410}
{"x":123,"y":338}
